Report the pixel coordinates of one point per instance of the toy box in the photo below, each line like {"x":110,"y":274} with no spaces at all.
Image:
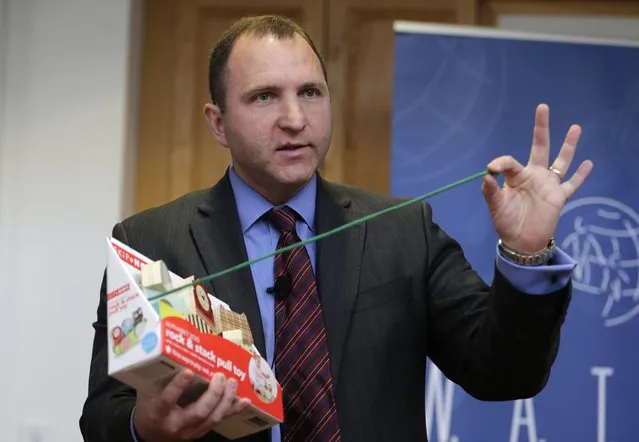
{"x":149,"y":340}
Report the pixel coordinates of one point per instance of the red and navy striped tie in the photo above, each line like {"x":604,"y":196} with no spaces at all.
{"x":302,"y":364}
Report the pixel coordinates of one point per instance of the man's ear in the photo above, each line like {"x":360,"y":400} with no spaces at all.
{"x":213,"y":115}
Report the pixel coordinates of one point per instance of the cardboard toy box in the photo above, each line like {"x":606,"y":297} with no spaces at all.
{"x":149,"y":340}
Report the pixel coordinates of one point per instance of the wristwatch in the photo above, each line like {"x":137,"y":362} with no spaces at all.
{"x":523,"y":259}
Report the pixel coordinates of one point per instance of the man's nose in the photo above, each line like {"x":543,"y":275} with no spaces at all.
{"x":293,"y":117}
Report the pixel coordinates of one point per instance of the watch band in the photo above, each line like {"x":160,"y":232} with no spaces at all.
{"x":523,"y":259}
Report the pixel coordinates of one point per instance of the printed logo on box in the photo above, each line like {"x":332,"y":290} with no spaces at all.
{"x":149,"y":342}
{"x":128,"y":334}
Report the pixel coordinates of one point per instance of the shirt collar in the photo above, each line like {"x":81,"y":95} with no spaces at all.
{"x":251,"y":205}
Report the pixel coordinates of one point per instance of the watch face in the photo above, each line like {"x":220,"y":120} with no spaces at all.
{"x":202,"y":298}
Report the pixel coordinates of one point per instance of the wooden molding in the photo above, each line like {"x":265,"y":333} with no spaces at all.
{"x":491,"y":10}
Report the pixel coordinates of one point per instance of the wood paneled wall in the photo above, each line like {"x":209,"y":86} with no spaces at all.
{"x":176,"y":153}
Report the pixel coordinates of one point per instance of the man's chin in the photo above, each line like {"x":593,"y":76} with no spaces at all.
{"x":295,"y":175}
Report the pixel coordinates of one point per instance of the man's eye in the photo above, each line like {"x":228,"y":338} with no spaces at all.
{"x":263,"y":96}
{"x":311,"y":92}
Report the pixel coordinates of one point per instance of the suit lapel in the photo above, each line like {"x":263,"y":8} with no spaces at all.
{"x":339,"y":260}
{"x":218,"y":237}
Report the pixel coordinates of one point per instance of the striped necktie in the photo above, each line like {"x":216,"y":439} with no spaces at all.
{"x":302,"y":363}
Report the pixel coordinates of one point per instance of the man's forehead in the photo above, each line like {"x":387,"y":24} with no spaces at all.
{"x":267,"y":58}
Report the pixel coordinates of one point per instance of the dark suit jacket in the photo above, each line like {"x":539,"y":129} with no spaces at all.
{"x":394,"y":290}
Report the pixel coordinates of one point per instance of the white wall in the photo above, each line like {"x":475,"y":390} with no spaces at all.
{"x":64,"y":130}
{"x":6,"y":310}
{"x":607,"y":27}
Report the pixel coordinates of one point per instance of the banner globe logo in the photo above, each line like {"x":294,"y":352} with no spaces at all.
{"x":603,"y":237}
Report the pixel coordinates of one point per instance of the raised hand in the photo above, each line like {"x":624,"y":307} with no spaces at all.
{"x":525,"y":212}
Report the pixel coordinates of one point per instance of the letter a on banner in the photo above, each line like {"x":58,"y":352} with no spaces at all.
{"x":523,"y":415}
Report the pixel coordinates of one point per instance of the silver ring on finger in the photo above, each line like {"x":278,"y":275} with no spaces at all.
{"x":556,"y":172}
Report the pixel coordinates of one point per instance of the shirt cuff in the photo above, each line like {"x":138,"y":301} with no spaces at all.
{"x":538,"y":280}
{"x":134,"y":435}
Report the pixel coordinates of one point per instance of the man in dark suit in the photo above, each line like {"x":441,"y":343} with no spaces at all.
{"x":353,"y":316}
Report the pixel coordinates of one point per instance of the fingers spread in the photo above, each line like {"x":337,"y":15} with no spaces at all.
{"x":540,"y":151}
{"x":567,"y":151}
{"x":578,"y":178}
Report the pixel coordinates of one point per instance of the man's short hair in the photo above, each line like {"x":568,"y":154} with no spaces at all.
{"x":256,"y":26}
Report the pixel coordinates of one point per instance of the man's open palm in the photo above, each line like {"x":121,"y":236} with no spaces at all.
{"x":525,"y":212}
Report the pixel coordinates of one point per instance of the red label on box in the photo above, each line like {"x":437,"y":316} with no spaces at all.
{"x":129,"y":258}
{"x":207,"y":354}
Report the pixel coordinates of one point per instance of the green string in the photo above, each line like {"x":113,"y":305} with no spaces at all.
{"x":325,"y":234}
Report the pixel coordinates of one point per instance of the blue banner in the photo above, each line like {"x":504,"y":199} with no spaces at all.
{"x":463,"y":97}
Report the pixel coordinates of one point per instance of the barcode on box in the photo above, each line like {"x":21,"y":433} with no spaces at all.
{"x":257,"y":421}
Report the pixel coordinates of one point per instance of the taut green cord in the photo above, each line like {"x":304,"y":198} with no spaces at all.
{"x":325,"y":234}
